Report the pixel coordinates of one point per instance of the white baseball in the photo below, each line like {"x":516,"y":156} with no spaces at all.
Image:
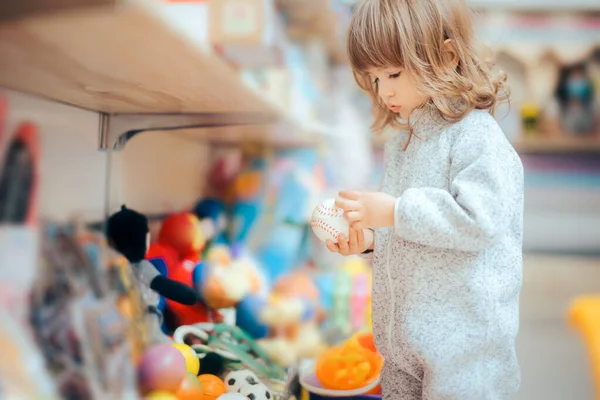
{"x":328,"y":222}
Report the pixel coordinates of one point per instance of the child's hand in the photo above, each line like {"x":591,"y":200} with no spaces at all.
{"x":367,"y":209}
{"x":359,"y":241}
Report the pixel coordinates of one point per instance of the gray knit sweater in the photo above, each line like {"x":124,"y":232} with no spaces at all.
{"x":447,"y":277}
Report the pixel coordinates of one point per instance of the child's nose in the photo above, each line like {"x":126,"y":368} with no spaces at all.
{"x":386,"y":91}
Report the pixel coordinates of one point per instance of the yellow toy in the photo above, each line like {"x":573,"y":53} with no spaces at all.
{"x":584,"y":315}
{"x":160,"y":396}
{"x":192,"y":362}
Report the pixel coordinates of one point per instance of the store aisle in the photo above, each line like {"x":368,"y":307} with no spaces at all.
{"x":552,"y":355}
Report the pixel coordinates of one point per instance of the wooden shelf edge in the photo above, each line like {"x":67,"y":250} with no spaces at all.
{"x":263,"y":135}
{"x":557,"y":145}
{"x":119,"y":60}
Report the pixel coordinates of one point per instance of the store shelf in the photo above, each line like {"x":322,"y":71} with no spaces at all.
{"x":122,"y":57}
{"x":314,"y":18}
{"x":558,"y":145}
{"x":537,"y":5}
{"x":274,"y":136}
{"x":530,"y":5}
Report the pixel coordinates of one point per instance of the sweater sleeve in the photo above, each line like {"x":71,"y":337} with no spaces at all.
{"x":485,"y":184}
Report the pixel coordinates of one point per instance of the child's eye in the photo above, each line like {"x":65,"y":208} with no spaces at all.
{"x":396,"y":75}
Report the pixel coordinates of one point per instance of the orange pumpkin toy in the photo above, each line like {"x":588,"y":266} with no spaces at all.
{"x":350,"y":366}
{"x":212,"y":387}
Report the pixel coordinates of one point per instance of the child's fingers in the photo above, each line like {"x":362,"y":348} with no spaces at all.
{"x":360,"y":239}
{"x":349,"y":194}
{"x":353,"y":242}
{"x":347,"y":205}
{"x":358,"y":225}
{"x":353,"y":216}
{"x":332,"y":246}
{"x":343,"y":244}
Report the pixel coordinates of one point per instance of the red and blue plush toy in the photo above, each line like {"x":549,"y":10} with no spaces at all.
{"x":177,"y":255}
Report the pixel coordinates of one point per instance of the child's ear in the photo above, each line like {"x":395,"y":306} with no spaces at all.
{"x":449,"y":54}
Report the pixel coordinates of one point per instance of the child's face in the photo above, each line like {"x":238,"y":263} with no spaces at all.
{"x":398,"y":89}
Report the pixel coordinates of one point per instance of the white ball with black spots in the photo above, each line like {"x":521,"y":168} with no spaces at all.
{"x":236,"y":379}
{"x":232,"y":396}
{"x":256,"y":392}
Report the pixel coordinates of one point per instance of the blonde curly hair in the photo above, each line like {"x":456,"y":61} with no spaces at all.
{"x":411,"y":34}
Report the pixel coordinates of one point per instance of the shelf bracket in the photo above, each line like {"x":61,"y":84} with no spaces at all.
{"x":115,"y":130}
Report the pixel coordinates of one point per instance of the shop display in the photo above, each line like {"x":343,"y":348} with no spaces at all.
{"x":346,"y":370}
{"x":162,"y":368}
{"x":128,"y":233}
{"x":575,"y":96}
{"x":293,"y":315}
{"x":177,"y":254}
{"x":190,"y":387}
{"x":212,"y":386}
{"x":192,"y":363}
{"x":233,"y":345}
{"x":113,"y":314}
{"x":74,"y":314}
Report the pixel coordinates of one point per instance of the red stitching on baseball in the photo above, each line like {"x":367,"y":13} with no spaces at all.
{"x":330,"y":212}
{"x":326,"y":227}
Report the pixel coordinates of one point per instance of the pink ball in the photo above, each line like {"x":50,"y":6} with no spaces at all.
{"x":162,"y":368}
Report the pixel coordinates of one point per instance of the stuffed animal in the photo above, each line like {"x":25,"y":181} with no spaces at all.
{"x":177,"y":255}
{"x":128,"y":234}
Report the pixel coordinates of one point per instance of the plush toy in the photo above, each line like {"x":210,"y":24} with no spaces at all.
{"x":177,"y":255}
{"x":211,"y":213}
{"x":128,"y":233}
{"x":291,"y":313}
{"x":183,"y":233}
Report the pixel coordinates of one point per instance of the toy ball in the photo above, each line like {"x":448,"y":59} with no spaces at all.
{"x":162,"y":368}
{"x":247,"y":316}
{"x":256,"y":392}
{"x":212,"y":387}
{"x":192,"y":362}
{"x":232,"y":396}
{"x":190,"y":388}
{"x":328,"y":221}
{"x":183,"y":233}
{"x":236,"y":379}
{"x":160,"y":396}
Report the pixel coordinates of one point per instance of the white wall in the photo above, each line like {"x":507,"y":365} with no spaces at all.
{"x":154,"y":171}
{"x":158,"y":172}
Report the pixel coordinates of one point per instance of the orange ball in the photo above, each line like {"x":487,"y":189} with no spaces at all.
{"x":190,"y":388}
{"x":212,"y":387}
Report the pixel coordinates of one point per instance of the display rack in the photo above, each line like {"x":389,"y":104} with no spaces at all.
{"x":314,"y":18}
{"x":123,"y":60}
{"x":558,"y":145}
{"x":537,"y":5}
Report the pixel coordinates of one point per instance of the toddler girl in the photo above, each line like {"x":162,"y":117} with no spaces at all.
{"x":446,"y":228}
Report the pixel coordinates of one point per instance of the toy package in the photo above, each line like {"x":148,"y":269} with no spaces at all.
{"x":77,"y":325}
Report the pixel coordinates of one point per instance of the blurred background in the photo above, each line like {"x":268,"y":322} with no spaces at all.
{"x":238,"y":117}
